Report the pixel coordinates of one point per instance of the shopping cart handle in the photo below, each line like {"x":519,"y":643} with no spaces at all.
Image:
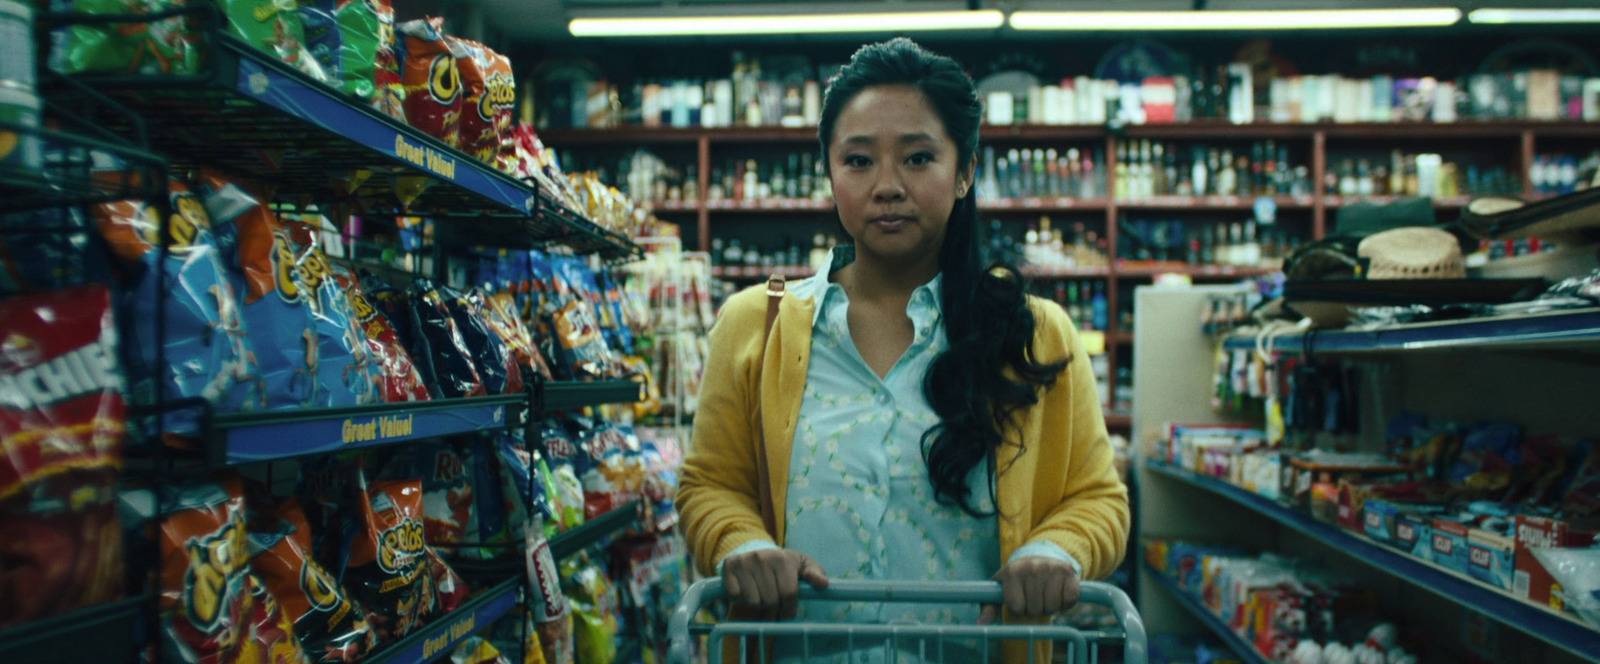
{"x":946,"y":592}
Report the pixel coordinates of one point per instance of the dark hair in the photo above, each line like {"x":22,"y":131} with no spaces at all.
{"x":987,"y":322}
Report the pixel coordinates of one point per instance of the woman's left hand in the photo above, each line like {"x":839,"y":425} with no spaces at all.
{"x":1034,"y":587}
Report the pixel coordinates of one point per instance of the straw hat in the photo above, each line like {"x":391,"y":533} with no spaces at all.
{"x":1412,"y":253}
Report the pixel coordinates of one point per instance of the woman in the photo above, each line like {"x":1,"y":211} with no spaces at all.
{"x":924,"y":418}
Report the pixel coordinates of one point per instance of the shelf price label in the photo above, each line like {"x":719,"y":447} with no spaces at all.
{"x":379,"y":428}
{"x":425,"y":157}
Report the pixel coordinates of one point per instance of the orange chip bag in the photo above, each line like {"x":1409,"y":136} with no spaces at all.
{"x":431,"y":77}
{"x":400,"y":379}
{"x":330,"y":625}
{"x":501,"y":96}
{"x":500,"y":310}
{"x":388,"y":569}
{"x":213,"y":610}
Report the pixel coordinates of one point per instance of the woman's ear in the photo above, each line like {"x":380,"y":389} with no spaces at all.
{"x":968,"y":177}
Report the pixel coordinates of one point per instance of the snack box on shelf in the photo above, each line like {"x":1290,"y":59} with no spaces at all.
{"x":1413,"y":533}
{"x":1258,"y":472}
{"x":1395,"y":523}
{"x":1205,"y":448}
{"x":1490,"y":557}
{"x":1299,"y":473}
{"x":1450,"y":547}
{"x":1530,"y":580}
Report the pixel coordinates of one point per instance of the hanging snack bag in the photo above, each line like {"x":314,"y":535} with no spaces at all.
{"x":594,"y":610}
{"x":346,"y":374}
{"x":207,"y":348}
{"x":61,"y":417}
{"x":450,"y":591}
{"x":493,"y":359}
{"x":388,"y":569}
{"x":477,"y":128}
{"x":273,"y":26}
{"x":552,"y":617}
{"x":431,"y":77}
{"x":213,"y":609}
{"x":436,"y":335}
{"x":356,"y":19}
{"x":612,"y":474}
{"x":448,"y":506}
{"x":399,"y":379}
{"x":477,"y":650}
{"x":331,"y":626}
{"x":165,"y":46}
{"x":260,"y":260}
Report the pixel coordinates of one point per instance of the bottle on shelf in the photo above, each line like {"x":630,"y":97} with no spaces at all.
{"x":1098,"y":305}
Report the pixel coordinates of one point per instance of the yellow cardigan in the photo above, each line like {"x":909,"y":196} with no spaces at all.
{"x":1060,"y":486}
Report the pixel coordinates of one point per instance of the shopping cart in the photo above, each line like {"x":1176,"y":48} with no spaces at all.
{"x":907,"y":642}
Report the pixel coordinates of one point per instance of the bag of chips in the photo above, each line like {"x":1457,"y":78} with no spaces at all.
{"x":492,"y":358}
{"x":388,"y":571}
{"x":381,"y":66}
{"x":61,"y":417}
{"x":207,"y":346}
{"x":331,"y":626}
{"x":164,"y":46}
{"x":448,"y":505}
{"x":552,"y":617}
{"x":436,"y":336}
{"x":213,"y":609}
{"x":450,"y":590}
{"x":477,"y":128}
{"x":501,"y":83}
{"x":260,"y":262}
{"x":477,"y":650}
{"x":399,"y":378}
{"x":273,"y":26}
{"x":346,"y":374}
{"x":431,"y":77}
{"x":324,"y":39}
{"x":501,"y":314}
{"x":594,"y":609}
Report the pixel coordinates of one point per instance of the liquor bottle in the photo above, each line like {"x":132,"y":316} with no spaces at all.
{"x":1121,"y":184}
{"x":1258,"y":163}
{"x":1364,"y":181}
{"x":1171,"y":171}
{"x":1040,"y":181}
{"x":1197,"y":175}
{"x":1236,"y":248}
{"x":1073,"y":304}
{"x":733,"y":254}
{"x":780,"y":183}
{"x":1251,"y":254}
{"x":1192,"y":253}
{"x":1052,"y":174}
{"x":792,"y":183}
{"x":1227,"y":179}
{"x":1158,"y":171}
{"x":1347,"y":179}
{"x":1011,"y":183}
{"x":1024,"y":175}
{"x":989,"y":184}
{"x":1099,"y":304}
{"x":716,"y":192}
{"x":1147,"y":174}
{"x":1208,"y":246}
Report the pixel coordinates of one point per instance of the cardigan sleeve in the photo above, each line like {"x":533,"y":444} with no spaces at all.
{"x":1080,"y":504}
{"x":717,"y":493}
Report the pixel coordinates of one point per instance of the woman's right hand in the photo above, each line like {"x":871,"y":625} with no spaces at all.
{"x":769,"y":579}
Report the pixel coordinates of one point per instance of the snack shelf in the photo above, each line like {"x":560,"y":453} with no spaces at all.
{"x":567,"y":395}
{"x":435,"y":641}
{"x":1243,"y":649}
{"x":1562,"y":630}
{"x":1214,"y":203}
{"x":105,"y":633}
{"x":1151,"y":269}
{"x":593,"y":530}
{"x":771,"y":205}
{"x":1118,"y":420}
{"x":757,"y":272}
{"x":1573,"y":328}
{"x":249,"y":114}
{"x":264,"y":436}
{"x":68,"y":175}
{"x":1043,"y":204}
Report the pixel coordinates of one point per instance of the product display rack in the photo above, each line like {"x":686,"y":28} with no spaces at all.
{"x":1575,"y":329}
{"x":263,"y":436}
{"x":1246,"y":652}
{"x":1563,"y":630}
{"x":436,"y":640}
{"x":567,"y":395}
{"x":247,"y":102}
{"x":93,"y":634}
{"x":593,"y":530}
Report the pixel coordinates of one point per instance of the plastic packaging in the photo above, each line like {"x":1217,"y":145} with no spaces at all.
{"x":431,"y":77}
{"x":1578,"y":572}
{"x":552,"y":617}
{"x":436,"y":336}
{"x":331,"y":626}
{"x":389,"y":569}
{"x":400,"y":380}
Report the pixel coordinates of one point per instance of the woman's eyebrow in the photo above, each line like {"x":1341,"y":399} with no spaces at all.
{"x":904,"y":139}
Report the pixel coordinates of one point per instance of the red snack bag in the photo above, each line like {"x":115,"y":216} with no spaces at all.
{"x":451,"y":589}
{"x":431,"y":77}
{"x":61,"y":421}
{"x":388,"y":569}
{"x":477,"y":129}
{"x":213,"y":610}
{"x":331,"y":626}
{"x":501,"y":314}
{"x":501,"y":94}
{"x":401,"y":381}
{"x":552,"y":615}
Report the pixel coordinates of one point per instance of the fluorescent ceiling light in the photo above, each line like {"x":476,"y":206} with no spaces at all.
{"x":1286,"y":19}
{"x":1490,"y":15}
{"x":985,"y":19}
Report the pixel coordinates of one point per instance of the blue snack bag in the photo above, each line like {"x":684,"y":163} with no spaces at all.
{"x":346,"y":373}
{"x":206,"y":346}
{"x":488,"y":351}
{"x":256,"y":251}
{"x":324,"y":40}
{"x":436,"y":336}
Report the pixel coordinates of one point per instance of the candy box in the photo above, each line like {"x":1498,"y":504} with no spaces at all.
{"x":1489,"y":557}
{"x":1450,"y":548}
{"x":1531,"y":580}
{"x":1380,"y":520}
{"x":1413,"y":533}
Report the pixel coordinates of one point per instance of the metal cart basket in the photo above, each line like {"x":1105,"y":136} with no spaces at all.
{"x":899,"y":642}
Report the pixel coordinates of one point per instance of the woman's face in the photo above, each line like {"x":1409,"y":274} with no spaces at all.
{"x":895,"y":175}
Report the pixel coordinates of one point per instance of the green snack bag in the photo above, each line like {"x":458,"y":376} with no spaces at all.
{"x":167,"y":46}
{"x":358,"y":52}
{"x":273,"y":26}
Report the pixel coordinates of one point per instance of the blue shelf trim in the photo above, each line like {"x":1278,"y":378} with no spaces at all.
{"x":315,"y":106}
{"x":435,"y":641}
{"x":1563,"y":631}
{"x":1236,"y":643}
{"x":1510,"y":331}
{"x":252,"y":437}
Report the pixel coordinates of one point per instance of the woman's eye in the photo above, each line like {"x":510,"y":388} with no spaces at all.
{"x":919,"y":159}
{"x":856,"y":161}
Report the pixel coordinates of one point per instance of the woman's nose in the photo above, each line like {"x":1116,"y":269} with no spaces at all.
{"x":888,"y":187}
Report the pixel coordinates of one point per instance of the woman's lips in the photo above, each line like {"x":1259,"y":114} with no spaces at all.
{"x":890,"y":223}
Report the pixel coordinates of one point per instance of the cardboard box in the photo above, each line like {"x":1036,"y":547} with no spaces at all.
{"x":1490,"y":557}
{"x":1450,"y":547}
{"x":1380,"y":519}
{"x":1413,"y":534}
{"x":1530,"y":580}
